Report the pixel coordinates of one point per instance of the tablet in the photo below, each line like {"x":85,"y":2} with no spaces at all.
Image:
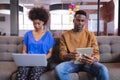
{"x":87,"y":51}
{"x":29,"y":59}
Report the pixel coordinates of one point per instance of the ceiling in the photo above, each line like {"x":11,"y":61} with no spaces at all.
{"x":89,"y":4}
{"x":50,"y":2}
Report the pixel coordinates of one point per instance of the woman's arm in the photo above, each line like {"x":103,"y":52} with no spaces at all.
{"x":24,"y":49}
{"x":49,"y":53}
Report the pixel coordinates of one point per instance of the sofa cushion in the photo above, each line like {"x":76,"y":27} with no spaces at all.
{"x":6,"y":69}
{"x":6,"y":56}
{"x":109,"y":48}
{"x":50,"y":75}
{"x":55,"y":53}
{"x":9,"y":45}
{"x":85,"y":76}
{"x":114,"y":70}
{"x":109,"y":52}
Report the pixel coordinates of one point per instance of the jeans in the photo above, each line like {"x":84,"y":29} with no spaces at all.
{"x":96,"y":69}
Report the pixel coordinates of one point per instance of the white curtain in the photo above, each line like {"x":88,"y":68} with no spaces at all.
{"x":116,"y":14}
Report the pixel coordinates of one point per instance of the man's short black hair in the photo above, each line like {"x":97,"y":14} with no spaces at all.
{"x":80,"y":12}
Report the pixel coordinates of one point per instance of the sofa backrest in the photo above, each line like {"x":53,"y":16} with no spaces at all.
{"x":109,"y":48}
{"x":55,"y":54}
{"x":9,"y":45}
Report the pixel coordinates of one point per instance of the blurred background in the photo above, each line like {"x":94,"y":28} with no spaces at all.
{"x":102,"y":15}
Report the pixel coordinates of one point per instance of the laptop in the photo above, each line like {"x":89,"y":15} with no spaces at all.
{"x":29,"y":59}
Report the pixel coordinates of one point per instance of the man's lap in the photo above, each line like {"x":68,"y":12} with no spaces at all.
{"x":71,"y":67}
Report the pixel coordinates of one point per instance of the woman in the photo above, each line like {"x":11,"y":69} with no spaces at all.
{"x":37,"y":41}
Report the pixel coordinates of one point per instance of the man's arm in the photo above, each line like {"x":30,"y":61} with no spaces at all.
{"x":94,"y":44}
{"x":63,"y":48}
{"x":64,"y":54}
{"x":95,"y":56}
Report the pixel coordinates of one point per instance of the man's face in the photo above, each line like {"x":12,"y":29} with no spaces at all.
{"x":79,"y":22}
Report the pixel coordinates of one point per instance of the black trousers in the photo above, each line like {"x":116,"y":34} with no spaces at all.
{"x":30,"y":73}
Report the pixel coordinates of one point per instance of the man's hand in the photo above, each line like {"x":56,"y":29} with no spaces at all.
{"x":73,"y":56}
{"x":88,"y":60}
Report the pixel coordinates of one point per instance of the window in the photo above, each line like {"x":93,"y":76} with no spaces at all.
{"x":24,"y":22}
{"x":61,"y":20}
{"x":92,"y":23}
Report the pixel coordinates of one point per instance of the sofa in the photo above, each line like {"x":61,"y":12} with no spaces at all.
{"x":109,"y":51}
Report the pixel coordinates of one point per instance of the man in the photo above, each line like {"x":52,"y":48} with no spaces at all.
{"x":79,"y":38}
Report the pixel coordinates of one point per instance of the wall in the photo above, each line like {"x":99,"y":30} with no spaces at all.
{"x":5,"y":25}
{"x":107,"y":14}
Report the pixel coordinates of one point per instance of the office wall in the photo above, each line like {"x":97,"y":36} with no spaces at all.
{"x":107,"y":14}
{"x":5,"y":25}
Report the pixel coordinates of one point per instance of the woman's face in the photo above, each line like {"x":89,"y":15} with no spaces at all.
{"x":38,"y":24}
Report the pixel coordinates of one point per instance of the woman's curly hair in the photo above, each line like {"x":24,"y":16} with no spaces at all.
{"x":39,"y":13}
